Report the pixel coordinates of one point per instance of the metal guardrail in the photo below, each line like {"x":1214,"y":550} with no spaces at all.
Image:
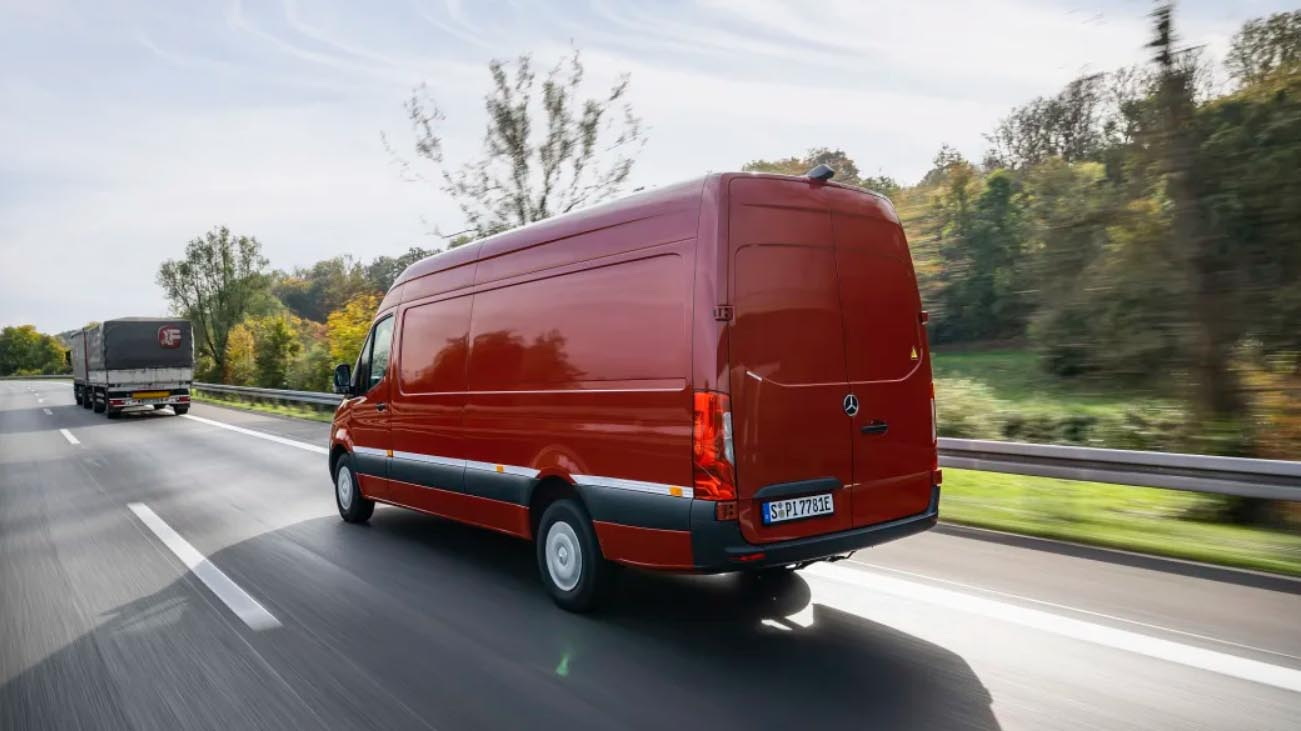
{"x":1262,"y":478}
{"x":316,"y":398}
{"x":64,"y":377}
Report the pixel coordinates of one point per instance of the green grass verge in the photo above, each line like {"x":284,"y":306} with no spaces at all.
{"x":1147,"y":520}
{"x":279,"y":409}
{"x":1016,"y":376}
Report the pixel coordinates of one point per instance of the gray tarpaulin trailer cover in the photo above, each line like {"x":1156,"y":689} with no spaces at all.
{"x":138,"y":342}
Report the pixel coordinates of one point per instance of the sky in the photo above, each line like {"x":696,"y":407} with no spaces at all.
{"x":129,"y":128}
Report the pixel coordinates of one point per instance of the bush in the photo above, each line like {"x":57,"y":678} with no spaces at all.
{"x":311,"y":370}
{"x":968,"y":409}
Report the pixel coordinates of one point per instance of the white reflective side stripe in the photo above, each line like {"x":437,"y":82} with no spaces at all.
{"x":504,"y":469}
{"x":654,"y":488}
{"x":521,"y":471}
{"x":501,"y":468}
{"x":429,"y":459}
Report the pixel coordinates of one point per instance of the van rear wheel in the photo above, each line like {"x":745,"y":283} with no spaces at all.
{"x":573,"y":570}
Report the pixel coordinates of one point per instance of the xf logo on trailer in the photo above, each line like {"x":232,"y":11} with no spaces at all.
{"x":169,"y":336}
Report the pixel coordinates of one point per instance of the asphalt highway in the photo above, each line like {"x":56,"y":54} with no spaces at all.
{"x":163,"y":572}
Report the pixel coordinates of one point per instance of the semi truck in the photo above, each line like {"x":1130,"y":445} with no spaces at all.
{"x":133,"y":363}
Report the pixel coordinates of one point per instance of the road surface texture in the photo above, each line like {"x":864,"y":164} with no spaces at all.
{"x":163,"y":572}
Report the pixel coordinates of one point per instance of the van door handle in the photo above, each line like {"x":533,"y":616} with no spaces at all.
{"x":876,"y":427}
{"x":381,"y":406}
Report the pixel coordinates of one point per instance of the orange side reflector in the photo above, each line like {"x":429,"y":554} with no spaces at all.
{"x":675,"y":491}
{"x":501,"y":468}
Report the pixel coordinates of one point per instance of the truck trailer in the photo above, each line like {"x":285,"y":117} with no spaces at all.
{"x":133,"y":362}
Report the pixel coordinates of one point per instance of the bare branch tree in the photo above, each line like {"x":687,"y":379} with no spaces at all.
{"x":546,"y":149}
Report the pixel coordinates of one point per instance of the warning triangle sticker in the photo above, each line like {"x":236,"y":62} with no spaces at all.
{"x":914,"y":353}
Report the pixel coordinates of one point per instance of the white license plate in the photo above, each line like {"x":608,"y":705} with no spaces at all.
{"x":780,"y":511}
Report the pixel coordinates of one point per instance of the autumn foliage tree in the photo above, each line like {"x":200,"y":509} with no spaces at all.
{"x":346,"y":328}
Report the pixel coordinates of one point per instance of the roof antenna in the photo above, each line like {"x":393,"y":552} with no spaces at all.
{"x":821,"y":173}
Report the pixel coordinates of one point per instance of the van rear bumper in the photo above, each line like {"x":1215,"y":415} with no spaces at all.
{"x":719,"y":546}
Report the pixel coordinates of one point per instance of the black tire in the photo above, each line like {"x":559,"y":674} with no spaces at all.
{"x":179,"y":410}
{"x":100,"y":405}
{"x":359,"y":509}
{"x":113,"y":413}
{"x":87,"y":399}
{"x":76,"y":395}
{"x":576,"y":535}
{"x":159,"y":407}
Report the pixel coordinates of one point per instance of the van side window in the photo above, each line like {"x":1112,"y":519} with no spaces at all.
{"x":383,"y":337}
{"x":359,"y":373}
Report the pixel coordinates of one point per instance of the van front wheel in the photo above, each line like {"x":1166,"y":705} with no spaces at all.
{"x":353,"y":508}
{"x":573,"y":570}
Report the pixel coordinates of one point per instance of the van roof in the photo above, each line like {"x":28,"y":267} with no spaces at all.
{"x":637,"y":205}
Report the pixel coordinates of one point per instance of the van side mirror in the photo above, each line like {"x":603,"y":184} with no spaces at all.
{"x":343,"y":379}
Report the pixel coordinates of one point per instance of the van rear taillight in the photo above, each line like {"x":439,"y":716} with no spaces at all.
{"x":712,"y":456}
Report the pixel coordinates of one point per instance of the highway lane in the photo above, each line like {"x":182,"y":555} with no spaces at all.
{"x":415,"y":622}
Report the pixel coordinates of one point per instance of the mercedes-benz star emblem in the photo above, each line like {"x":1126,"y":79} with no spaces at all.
{"x":851,"y":404}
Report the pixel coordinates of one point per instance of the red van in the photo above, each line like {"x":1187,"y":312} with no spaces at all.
{"x":720,"y":375}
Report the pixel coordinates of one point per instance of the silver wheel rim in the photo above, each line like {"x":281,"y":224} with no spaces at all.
{"x":343,"y":487}
{"x":564,"y":557}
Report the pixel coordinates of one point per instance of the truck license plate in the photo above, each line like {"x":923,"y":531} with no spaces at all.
{"x":779,"y":511}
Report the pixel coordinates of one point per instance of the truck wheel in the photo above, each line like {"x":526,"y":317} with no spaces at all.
{"x":181,"y":410}
{"x":113,"y":413}
{"x":573,"y":570}
{"x":87,"y":401}
{"x":100,"y":405}
{"x":353,"y":508}
{"x":76,"y":395}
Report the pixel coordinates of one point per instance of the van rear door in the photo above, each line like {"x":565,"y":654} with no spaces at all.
{"x":886,"y":360}
{"x":788,"y":383}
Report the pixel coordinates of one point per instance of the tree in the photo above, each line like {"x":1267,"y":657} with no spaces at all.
{"x":316,"y":291}
{"x":1264,"y":47}
{"x":980,"y":229}
{"x":384,"y":270}
{"x":26,"y":352}
{"x":239,"y":360}
{"x":1173,"y":140}
{"x":276,"y":344}
{"x":1071,"y":126}
{"x":213,"y":287}
{"x":346,"y":327}
{"x":546,"y":149}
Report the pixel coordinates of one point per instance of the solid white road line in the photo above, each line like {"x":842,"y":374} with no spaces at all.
{"x":68,"y":435}
{"x":48,"y":412}
{"x":1076,"y":610}
{"x":244,"y":606}
{"x":260,"y":435}
{"x":854,"y":587}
